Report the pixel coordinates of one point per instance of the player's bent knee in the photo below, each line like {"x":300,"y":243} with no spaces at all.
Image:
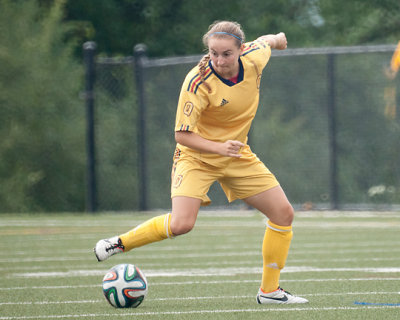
{"x":288,"y":214}
{"x":284,"y":216}
{"x":181,"y":227}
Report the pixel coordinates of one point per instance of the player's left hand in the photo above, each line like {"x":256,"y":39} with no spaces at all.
{"x":231,"y":148}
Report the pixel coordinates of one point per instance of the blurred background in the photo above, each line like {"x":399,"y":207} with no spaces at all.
{"x":92,"y":130}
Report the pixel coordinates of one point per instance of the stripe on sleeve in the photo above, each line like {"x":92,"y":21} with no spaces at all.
{"x":250,"y":48}
{"x":196,"y":81}
{"x":184,"y":128}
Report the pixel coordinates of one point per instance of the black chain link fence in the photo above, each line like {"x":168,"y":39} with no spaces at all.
{"x":326,"y":126}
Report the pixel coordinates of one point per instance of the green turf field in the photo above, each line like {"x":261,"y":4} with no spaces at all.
{"x":337,"y":259}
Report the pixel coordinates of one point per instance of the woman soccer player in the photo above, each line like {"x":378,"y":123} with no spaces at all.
{"x":218,"y":101}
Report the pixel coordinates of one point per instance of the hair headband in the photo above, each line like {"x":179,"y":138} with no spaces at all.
{"x":229,"y":34}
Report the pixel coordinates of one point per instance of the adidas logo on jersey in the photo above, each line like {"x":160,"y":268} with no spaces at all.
{"x":223,"y":102}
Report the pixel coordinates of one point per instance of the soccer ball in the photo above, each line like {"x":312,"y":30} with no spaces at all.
{"x":125,"y":286}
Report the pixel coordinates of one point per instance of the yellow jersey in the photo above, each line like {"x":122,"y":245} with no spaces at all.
{"x":226,"y":113}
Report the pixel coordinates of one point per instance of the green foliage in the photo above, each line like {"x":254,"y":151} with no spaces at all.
{"x":42,"y":137}
{"x":291,"y":129}
{"x":359,"y":21}
{"x":175,"y":27}
{"x":42,"y":127}
{"x":290,"y":133}
{"x":367,"y":139}
{"x":116,"y":131}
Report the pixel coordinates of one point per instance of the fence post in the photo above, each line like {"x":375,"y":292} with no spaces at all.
{"x":89,"y":51}
{"x":139,"y":53}
{"x":332,"y":132}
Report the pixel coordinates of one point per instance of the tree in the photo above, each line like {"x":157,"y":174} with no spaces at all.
{"x":42,"y":144}
{"x":175,"y":27}
{"x":358,"y":21}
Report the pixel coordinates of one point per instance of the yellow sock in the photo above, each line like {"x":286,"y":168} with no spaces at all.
{"x":155,"y":229}
{"x":275,"y":250}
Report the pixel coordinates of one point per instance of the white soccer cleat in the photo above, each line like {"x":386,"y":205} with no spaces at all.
{"x":279,"y":296}
{"x":108,"y":247}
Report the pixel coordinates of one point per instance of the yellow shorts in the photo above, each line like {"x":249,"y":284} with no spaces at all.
{"x":240,"y":178}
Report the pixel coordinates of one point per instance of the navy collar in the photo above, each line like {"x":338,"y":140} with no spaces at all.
{"x":226,"y":81}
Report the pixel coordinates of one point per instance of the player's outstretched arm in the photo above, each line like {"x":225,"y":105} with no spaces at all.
{"x":276,"y":41}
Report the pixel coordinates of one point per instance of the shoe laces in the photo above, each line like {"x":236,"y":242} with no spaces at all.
{"x":113,"y":246}
{"x":287,"y":292}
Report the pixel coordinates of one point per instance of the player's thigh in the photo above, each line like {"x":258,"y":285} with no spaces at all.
{"x":274,"y":204}
{"x":193,"y":178}
{"x":246,"y":178}
{"x":184,"y":214}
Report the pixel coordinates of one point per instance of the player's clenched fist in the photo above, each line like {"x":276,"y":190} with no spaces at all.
{"x":281,"y":41}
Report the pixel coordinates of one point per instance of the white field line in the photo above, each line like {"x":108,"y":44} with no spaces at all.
{"x":224,"y":223}
{"x":205,"y":263}
{"x":283,"y":281}
{"x":26,"y":256}
{"x":103,"y":220}
{"x":354,"y":225}
{"x":207,"y":212}
{"x":214,"y":230}
{"x":256,"y":223}
{"x":346,"y":214}
{"x":253,"y":223}
{"x":302,"y":223}
{"x":56,"y":238}
{"x":195,"y":298}
{"x":199,"y":272}
{"x":165,"y":313}
{"x":335,"y":245}
{"x":204,"y":282}
{"x":234,"y":253}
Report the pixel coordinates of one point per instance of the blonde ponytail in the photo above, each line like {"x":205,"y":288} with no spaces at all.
{"x":202,"y":68}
